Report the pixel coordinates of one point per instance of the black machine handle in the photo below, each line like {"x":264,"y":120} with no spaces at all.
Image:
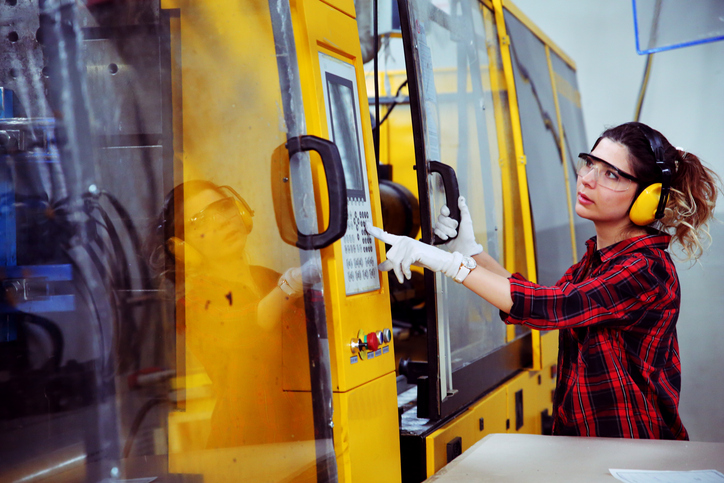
{"x":452,"y":193}
{"x":336,"y":191}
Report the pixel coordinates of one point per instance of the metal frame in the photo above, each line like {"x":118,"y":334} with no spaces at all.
{"x":474,"y":380}
{"x":314,"y":306}
{"x":564,"y":161}
{"x":428,"y":403}
{"x":666,"y":47}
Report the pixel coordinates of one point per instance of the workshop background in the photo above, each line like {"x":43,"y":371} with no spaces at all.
{"x":685,"y":101}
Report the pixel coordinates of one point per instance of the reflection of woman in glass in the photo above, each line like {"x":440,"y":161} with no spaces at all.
{"x":232,"y":312}
{"x":619,"y":373}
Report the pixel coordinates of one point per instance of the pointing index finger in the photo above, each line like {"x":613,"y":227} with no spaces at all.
{"x":381,"y":234}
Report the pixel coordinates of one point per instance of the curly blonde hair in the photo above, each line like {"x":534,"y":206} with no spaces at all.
{"x":691,"y":205}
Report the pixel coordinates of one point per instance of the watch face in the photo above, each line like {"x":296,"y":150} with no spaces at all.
{"x":469,"y":263}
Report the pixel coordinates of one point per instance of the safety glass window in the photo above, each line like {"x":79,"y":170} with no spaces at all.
{"x":154,"y":322}
{"x":541,"y":143}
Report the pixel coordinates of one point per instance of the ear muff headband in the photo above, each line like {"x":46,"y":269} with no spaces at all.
{"x":651,"y":202}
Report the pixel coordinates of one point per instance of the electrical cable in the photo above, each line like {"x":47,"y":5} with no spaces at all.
{"x":103,"y":258}
{"x":104,"y":275}
{"x":129,"y":334}
{"x":138,"y":420}
{"x":644,"y":86}
{"x":90,"y":302}
{"x":133,"y":234}
{"x":55,"y":334}
{"x":545,"y":115}
{"x":139,"y":331}
{"x":392,"y":106}
{"x":376,"y":132}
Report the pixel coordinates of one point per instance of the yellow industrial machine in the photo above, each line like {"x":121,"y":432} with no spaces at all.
{"x":521,"y":121}
{"x":209,"y":308}
{"x":275,"y":362}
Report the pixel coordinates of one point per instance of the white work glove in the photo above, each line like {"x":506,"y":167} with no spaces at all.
{"x":405,"y":252}
{"x":293,"y":281}
{"x":446,"y":228}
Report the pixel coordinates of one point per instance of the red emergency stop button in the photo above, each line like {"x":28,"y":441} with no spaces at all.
{"x":372,"y":341}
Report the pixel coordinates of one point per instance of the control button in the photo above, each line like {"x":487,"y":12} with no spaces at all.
{"x":355,"y":345}
{"x":380,"y":337}
{"x":372,"y":342}
{"x":386,"y":336}
{"x":361,"y":344}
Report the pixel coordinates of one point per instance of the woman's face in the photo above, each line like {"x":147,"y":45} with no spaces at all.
{"x":214,"y":225}
{"x":599,"y":203}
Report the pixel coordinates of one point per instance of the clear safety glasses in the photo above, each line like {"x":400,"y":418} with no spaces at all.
{"x":606,"y":174}
{"x":217,"y":212}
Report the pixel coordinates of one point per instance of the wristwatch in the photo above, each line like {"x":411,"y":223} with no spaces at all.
{"x":285,"y":287}
{"x":466,"y":266}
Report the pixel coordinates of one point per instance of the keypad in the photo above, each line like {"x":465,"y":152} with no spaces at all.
{"x":358,"y":251}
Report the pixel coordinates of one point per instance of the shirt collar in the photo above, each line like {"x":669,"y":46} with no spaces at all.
{"x":657,"y":241}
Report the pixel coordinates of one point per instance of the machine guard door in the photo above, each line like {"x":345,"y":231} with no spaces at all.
{"x":453,"y":124}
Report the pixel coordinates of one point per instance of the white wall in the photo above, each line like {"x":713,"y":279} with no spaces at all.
{"x":685,"y":101}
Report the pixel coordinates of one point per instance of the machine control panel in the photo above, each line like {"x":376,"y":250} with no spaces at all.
{"x":358,"y":248}
{"x":341,"y":99}
{"x":371,"y":345}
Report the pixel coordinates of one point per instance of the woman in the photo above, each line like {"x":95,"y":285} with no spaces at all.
{"x":619,"y":372}
{"x":231,"y":312}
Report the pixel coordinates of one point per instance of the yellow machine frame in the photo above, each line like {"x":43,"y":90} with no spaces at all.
{"x":364,"y":392}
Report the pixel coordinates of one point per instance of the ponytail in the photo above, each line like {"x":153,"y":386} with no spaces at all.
{"x":694,"y":190}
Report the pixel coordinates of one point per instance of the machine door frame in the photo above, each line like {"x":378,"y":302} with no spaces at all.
{"x":475,"y":379}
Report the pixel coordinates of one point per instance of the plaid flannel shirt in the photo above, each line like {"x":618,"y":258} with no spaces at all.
{"x":619,"y":372}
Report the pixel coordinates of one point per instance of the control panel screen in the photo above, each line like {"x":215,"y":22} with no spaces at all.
{"x":343,"y":127}
{"x":359,"y":256}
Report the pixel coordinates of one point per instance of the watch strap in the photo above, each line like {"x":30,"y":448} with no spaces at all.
{"x":283,"y":284}
{"x":466,"y":266}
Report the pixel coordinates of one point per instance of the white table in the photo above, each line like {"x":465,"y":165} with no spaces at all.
{"x":527,"y":458}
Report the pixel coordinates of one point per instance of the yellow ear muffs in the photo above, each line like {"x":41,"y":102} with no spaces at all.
{"x":246,"y":213}
{"x":643,"y":211}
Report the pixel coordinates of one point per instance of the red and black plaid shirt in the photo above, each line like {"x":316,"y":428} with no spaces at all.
{"x":619,"y":373}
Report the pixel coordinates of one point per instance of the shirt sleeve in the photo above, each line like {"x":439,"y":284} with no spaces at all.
{"x":621,"y":296}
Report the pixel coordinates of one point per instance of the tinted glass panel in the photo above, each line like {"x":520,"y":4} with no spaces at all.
{"x":147,"y":292}
{"x":574,"y":137}
{"x":546,"y":182}
{"x":460,"y":132}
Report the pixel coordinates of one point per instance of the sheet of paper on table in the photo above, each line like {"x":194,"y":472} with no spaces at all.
{"x":646,"y":476}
